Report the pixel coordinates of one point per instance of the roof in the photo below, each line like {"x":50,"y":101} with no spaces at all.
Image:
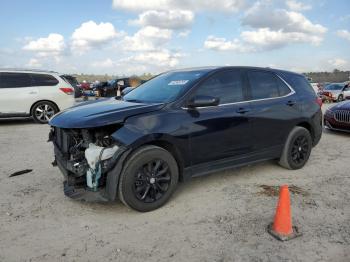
{"x":214,"y":68}
{"x":27,"y":70}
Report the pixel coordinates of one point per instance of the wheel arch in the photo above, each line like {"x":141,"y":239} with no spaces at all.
{"x":43,"y":100}
{"x":308,"y":127}
{"x":173,"y":150}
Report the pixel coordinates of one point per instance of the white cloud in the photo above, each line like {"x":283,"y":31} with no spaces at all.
{"x":338,"y":63}
{"x":107,"y":63}
{"x":90,"y":34}
{"x":168,"y":19}
{"x":269,"y":39}
{"x":273,"y":28}
{"x":148,"y":38}
{"x":297,"y":6}
{"x":222,"y":44}
{"x":184,"y":33}
{"x":262,"y":15}
{"x":34,"y":63}
{"x":162,"y":58}
{"x":344,"y":34}
{"x":53,"y":45}
{"x":194,"y":5}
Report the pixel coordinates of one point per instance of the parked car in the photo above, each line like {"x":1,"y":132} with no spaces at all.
{"x":182,"y":124}
{"x":78,"y":92}
{"x":40,"y":94}
{"x":338,"y":117}
{"x":336,"y":92}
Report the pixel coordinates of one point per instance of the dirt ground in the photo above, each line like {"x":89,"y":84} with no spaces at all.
{"x":221,"y":217}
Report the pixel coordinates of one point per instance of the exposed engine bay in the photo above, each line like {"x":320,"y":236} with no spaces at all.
{"x":85,"y":155}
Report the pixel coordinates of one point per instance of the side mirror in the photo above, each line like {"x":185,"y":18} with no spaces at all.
{"x":203,"y":101}
{"x":126,"y":90}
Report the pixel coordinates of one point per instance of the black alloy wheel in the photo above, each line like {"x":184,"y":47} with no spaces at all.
{"x":300,"y":149}
{"x":148,"y":179}
{"x":297,"y":149}
{"x":152,"y":181}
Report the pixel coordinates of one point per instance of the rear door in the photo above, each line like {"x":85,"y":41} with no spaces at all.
{"x":16,"y":93}
{"x":274,"y":107}
{"x":223,"y":131}
{"x":46,"y":86}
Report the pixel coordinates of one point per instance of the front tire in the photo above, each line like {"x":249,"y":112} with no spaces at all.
{"x":297,"y":149}
{"x":43,"y":111}
{"x":149,"y":179}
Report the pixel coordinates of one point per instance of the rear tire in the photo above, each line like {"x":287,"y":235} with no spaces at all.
{"x":43,"y":111}
{"x":297,"y":149}
{"x":149,"y":179}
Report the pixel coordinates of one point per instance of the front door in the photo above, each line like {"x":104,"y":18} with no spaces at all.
{"x":222,"y":131}
{"x":16,"y":93}
{"x":346,"y":91}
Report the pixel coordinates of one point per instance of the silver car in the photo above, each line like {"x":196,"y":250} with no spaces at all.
{"x":336,"y":92}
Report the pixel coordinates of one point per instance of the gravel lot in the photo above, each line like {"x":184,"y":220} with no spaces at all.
{"x":221,"y":217}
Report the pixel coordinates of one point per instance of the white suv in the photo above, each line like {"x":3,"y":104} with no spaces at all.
{"x":39,"y":94}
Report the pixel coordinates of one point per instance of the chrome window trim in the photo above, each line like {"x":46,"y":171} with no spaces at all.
{"x":292,"y":92}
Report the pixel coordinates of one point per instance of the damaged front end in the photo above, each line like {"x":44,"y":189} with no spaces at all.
{"x":86,"y":157}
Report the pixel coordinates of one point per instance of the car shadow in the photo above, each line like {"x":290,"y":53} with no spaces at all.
{"x":336,"y":133}
{"x":16,"y":121}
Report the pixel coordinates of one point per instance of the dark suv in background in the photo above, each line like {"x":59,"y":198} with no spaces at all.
{"x":182,"y":124}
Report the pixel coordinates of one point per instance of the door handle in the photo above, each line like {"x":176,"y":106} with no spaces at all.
{"x":242,"y":110}
{"x":291,"y":103}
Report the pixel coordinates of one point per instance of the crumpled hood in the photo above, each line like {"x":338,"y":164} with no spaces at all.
{"x":100,"y":113}
{"x":345,"y":105}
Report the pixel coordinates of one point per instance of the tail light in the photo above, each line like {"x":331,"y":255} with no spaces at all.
{"x":67,"y":90}
{"x":319,"y":101}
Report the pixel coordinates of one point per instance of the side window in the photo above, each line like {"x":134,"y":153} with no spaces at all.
{"x":227,"y":86}
{"x":43,"y":80}
{"x":282,"y":87}
{"x":299,"y":82}
{"x":14,"y":80}
{"x":263,"y":85}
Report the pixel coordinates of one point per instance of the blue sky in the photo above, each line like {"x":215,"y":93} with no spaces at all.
{"x":133,"y":37}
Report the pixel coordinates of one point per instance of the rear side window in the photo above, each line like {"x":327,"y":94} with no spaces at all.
{"x":227,"y":86}
{"x":282,"y":87}
{"x":263,"y":85}
{"x":299,"y":82}
{"x":15,"y":80}
{"x":43,"y":80}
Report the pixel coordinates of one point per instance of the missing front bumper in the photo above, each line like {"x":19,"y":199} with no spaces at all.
{"x":84,"y":194}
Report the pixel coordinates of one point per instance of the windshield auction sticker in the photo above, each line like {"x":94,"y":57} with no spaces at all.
{"x":178,"y":82}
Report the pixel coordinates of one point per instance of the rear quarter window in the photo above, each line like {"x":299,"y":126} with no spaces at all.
{"x":44,"y":80}
{"x":300,"y":84}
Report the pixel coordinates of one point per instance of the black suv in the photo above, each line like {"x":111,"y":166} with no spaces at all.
{"x":182,"y":124}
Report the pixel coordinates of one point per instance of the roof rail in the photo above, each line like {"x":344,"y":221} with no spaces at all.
{"x":27,"y":69}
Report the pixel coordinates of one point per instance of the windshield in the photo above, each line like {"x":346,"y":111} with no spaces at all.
{"x":334,"y":87}
{"x":164,"y":88}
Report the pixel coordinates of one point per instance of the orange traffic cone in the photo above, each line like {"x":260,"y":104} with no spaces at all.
{"x":282,"y":228}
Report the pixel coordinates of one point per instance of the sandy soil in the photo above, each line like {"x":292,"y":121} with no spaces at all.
{"x":221,"y":217}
